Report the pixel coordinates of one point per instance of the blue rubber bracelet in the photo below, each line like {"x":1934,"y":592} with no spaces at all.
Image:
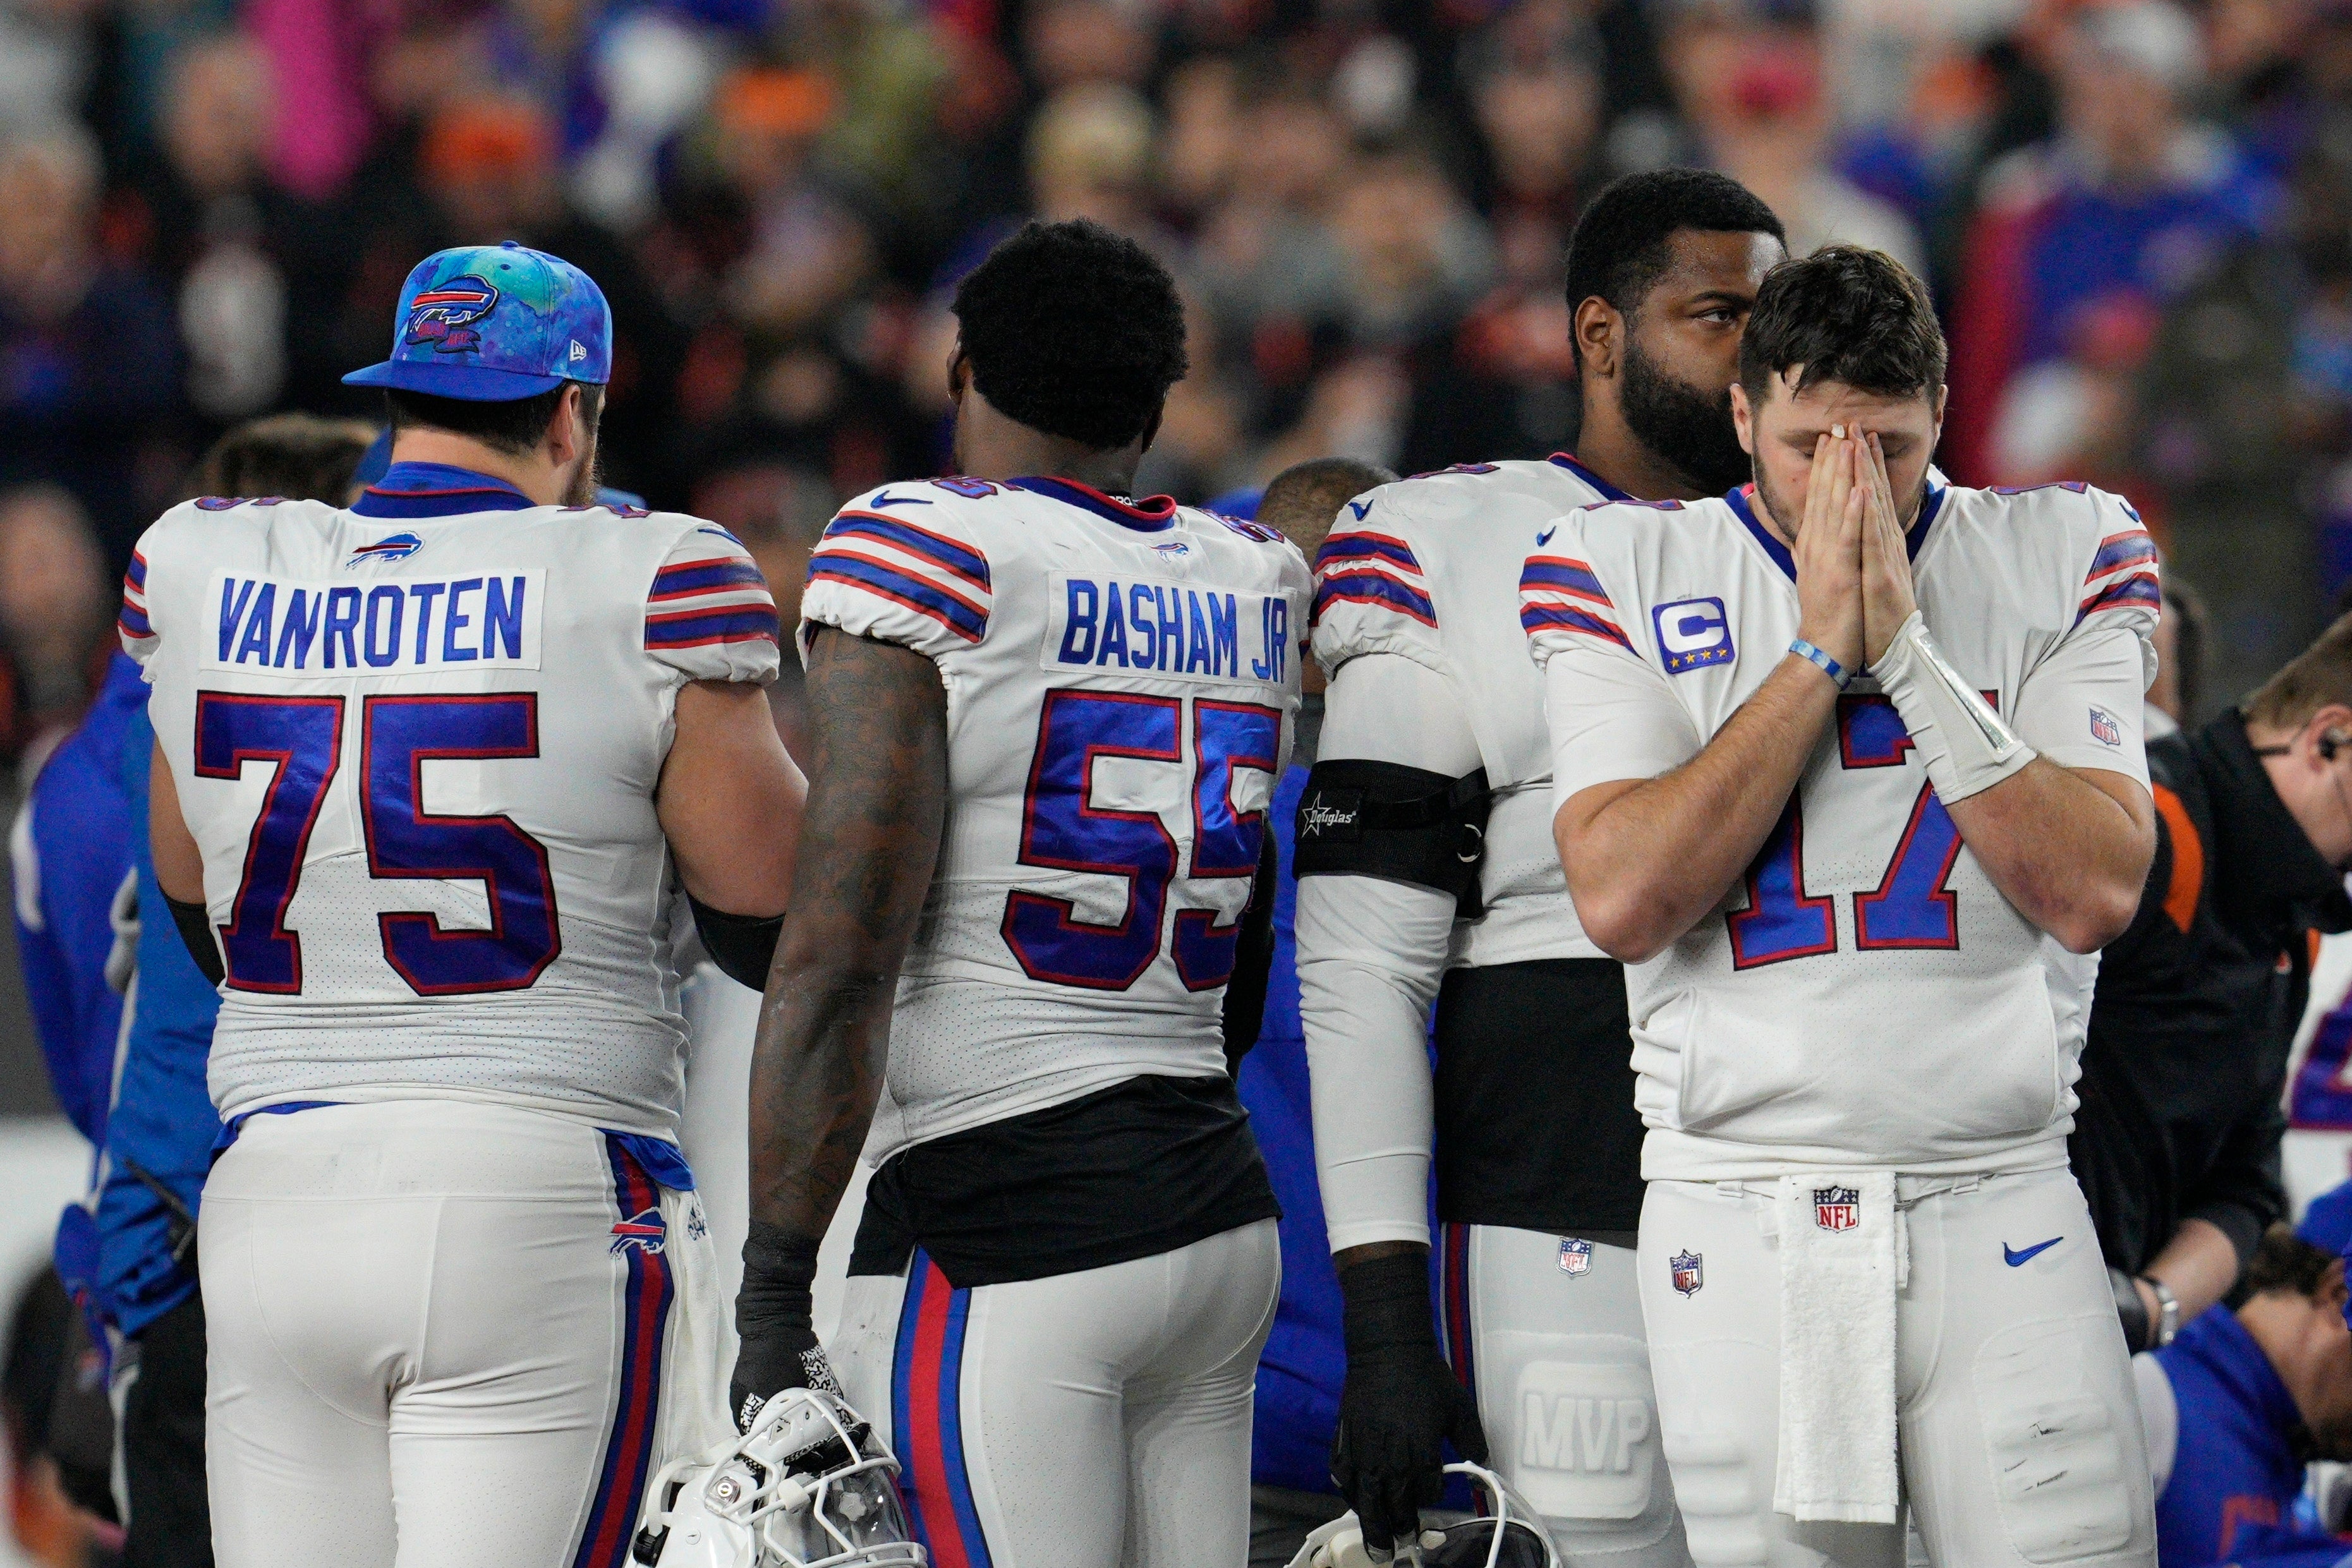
{"x":1836,"y":671}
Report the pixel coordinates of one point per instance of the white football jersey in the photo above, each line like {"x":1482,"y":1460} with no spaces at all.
{"x":1864,"y":997}
{"x":418,"y":746}
{"x":1428,"y":568}
{"x":1121,"y":684}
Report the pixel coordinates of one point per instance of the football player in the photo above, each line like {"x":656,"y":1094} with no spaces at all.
{"x":427,"y":768}
{"x":1427,"y":872}
{"x":1047,"y":718}
{"x":1849,"y":772}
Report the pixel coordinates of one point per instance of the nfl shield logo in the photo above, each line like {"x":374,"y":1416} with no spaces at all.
{"x":1687,"y":1277}
{"x":2104,"y":729}
{"x":1575,"y":1255}
{"x":1837,"y":1207}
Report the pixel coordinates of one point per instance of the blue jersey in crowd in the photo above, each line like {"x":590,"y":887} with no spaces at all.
{"x":159,"y":1142}
{"x":84,"y":832}
{"x":71,"y":852}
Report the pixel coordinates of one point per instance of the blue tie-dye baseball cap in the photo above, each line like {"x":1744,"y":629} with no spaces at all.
{"x":491,"y":323}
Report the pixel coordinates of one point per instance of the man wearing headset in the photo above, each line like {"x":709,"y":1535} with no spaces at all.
{"x":2177,"y":1142}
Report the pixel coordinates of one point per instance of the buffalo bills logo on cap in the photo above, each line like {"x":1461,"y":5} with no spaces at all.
{"x":443,"y":315}
{"x":644,"y":1230}
{"x":394,"y":546}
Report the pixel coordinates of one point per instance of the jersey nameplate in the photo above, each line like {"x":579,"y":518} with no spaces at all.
{"x":1184,"y":630}
{"x":395,"y":626}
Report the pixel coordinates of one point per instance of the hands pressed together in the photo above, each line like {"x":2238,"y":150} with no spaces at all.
{"x":1853,"y":565}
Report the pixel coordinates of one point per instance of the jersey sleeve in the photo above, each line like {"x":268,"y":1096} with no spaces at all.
{"x":924,"y":586}
{"x":137,"y":633}
{"x":2082,"y":704}
{"x":709,"y":614}
{"x":1610,"y":714}
{"x":1371,"y":594}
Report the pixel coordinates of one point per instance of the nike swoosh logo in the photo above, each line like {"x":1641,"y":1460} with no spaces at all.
{"x":884,"y":498}
{"x":1360,"y":508}
{"x":2013,"y":1257}
{"x":1544,"y":537}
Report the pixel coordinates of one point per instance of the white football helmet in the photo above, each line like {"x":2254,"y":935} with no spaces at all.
{"x":810,"y":1485}
{"x":1506,"y":1533}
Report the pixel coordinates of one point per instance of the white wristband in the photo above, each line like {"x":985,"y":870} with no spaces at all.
{"x":1966,"y":747}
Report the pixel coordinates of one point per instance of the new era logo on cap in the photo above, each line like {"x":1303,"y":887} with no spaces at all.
{"x":492,"y":323}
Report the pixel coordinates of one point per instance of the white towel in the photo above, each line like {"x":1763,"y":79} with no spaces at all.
{"x":1840,"y":1269}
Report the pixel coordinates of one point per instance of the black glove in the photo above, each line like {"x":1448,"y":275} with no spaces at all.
{"x":776,"y":1316}
{"x":1398,"y":1403}
{"x":2139,"y":1335}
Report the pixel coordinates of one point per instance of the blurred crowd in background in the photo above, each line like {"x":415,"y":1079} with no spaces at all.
{"x":2135,"y":217}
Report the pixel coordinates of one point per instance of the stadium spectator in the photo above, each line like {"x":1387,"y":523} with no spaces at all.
{"x":2177,"y":1141}
{"x":54,"y":602}
{"x":2242,"y":1402}
{"x":1749,"y":76}
{"x":2080,"y":238}
{"x":87,"y":357}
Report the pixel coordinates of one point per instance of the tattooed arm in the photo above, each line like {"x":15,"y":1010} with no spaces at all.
{"x":869,"y":835}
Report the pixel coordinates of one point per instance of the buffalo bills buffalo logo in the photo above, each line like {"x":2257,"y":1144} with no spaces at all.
{"x":644,"y":1230}
{"x":396,"y":547}
{"x":445,"y":314}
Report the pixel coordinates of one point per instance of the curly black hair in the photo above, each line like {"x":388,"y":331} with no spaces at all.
{"x":1073,"y":331}
{"x":1624,"y":242}
{"x":1844,"y":314}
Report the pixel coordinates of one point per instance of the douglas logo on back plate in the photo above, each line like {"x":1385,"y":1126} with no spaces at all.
{"x":1331,"y":811}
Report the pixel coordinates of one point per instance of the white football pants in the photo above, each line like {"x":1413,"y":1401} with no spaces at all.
{"x":448,"y":1335}
{"x":1097,"y":1419}
{"x":2020,"y":1431}
{"x":1547,"y":1331}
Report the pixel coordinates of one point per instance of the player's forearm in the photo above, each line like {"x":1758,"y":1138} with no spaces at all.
{"x":1646,"y":863}
{"x":870,"y":835}
{"x":1371,"y":953}
{"x":2199,"y":1265}
{"x":179,"y":863}
{"x":2071,"y":854}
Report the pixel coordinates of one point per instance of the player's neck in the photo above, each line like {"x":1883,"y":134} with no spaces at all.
{"x":529,"y":473}
{"x":990,"y":446}
{"x":1607,"y":445}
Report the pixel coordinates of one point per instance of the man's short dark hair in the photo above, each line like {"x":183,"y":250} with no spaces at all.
{"x":1844,"y":314}
{"x":1624,"y":242}
{"x":1302,"y":501}
{"x":2285,"y":1261}
{"x":513,"y":427}
{"x":294,"y":456}
{"x":1073,"y":331}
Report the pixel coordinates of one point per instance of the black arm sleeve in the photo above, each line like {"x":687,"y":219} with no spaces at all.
{"x":2244,"y":1191}
{"x":1252,"y":963}
{"x":196,"y":930}
{"x":1383,"y":818}
{"x":742,"y":946}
